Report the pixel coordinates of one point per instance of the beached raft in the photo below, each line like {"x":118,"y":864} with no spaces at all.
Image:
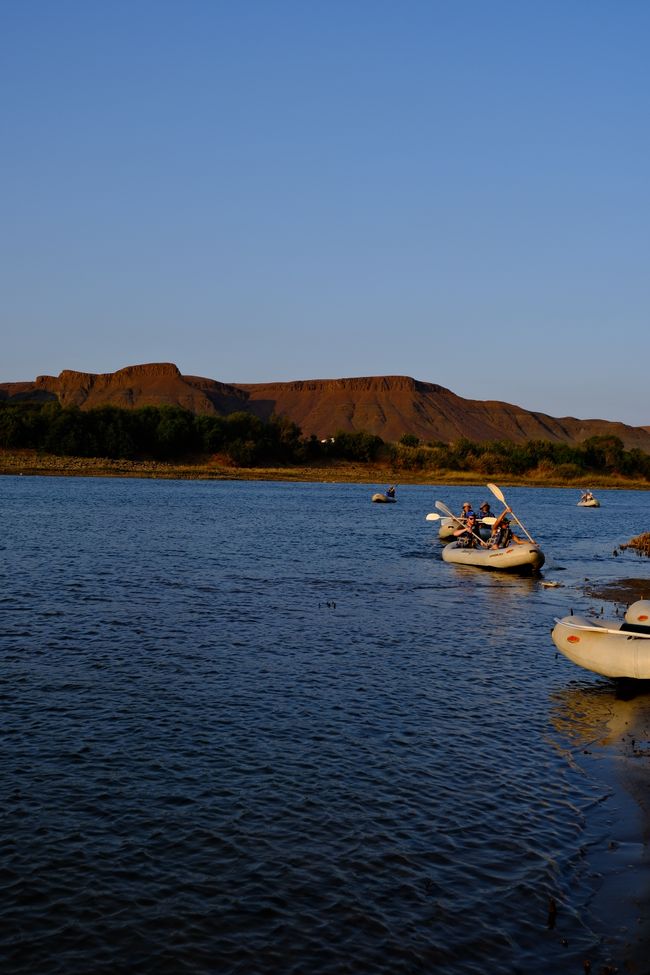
{"x":515,"y":558}
{"x":611,"y":649}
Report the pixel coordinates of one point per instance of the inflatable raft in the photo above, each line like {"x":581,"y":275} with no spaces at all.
{"x":610,"y":649}
{"x":515,"y":558}
{"x":449,"y":525}
{"x":383,"y":499}
{"x":588,"y":501}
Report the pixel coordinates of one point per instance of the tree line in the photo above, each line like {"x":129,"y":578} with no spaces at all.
{"x":170,"y":433}
{"x":595,"y":455}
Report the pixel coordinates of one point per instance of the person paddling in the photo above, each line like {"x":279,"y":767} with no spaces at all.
{"x":502,"y":534}
{"x":467,"y":536}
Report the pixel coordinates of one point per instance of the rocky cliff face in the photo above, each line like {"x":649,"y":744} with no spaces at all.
{"x":155,"y":384}
{"x":389,"y":406}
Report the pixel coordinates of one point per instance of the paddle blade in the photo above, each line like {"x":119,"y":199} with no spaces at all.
{"x":489,"y":520}
{"x":441,"y":506}
{"x":497,"y":492}
{"x":432,"y":516}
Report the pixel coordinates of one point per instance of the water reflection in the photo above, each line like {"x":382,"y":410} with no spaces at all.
{"x":606,"y":713}
{"x":473,"y":575}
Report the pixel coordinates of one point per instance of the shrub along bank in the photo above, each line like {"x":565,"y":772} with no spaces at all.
{"x":172,"y":435}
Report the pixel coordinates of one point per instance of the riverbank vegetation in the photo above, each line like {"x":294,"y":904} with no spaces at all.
{"x":169,"y":441}
{"x":640,"y":544}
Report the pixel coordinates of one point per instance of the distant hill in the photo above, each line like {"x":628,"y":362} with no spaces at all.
{"x":388,"y":406}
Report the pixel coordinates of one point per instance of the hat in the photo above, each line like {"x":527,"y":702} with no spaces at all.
{"x":466,"y":504}
{"x":486,"y":504}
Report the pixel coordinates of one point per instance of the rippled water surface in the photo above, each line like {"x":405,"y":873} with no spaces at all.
{"x":263,"y":728}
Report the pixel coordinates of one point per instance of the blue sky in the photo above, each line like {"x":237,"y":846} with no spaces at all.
{"x":273,"y":190}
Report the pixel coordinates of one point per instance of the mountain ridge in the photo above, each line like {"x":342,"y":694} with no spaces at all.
{"x":388,"y":406}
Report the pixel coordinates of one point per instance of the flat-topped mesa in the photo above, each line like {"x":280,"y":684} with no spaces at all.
{"x":150,"y":384}
{"x":86,"y":380}
{"x":150,"y":370}
{"x":154,"y":370}
{"x":355,"y":384}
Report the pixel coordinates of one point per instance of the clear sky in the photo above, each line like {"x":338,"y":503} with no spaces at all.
{"x":266,"y":190}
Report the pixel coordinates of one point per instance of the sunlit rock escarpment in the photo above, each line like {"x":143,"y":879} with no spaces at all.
{"x":388,"y":406}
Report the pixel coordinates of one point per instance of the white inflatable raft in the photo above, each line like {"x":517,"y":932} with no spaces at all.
{"x":383,"y":499}
{"x":609,"y":649}
{"x":515,"y":558}
{"x":588,"y":501}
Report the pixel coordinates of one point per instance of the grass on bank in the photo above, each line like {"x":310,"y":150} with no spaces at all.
{"x":32,"y":462}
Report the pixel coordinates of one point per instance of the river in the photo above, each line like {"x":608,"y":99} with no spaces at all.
{"x":254,"y":727}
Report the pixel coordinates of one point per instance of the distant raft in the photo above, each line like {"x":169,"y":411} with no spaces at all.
{"x":383,"y":499}
{"x":611,"y":649}
{"x":514,"y":558}
{"x":587,"y":500}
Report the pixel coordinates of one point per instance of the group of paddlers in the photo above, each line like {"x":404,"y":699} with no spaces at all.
{"x":501,"y":535}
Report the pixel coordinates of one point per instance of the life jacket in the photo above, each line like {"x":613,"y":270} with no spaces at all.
{"x":467,"y":540}
{"x":503,"y":536}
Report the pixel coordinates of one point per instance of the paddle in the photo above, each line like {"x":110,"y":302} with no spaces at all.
{"x":630,"y":634}
{"x":434,"y":516}
{"x":443,"y":507}
{"x":498,"y":493}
